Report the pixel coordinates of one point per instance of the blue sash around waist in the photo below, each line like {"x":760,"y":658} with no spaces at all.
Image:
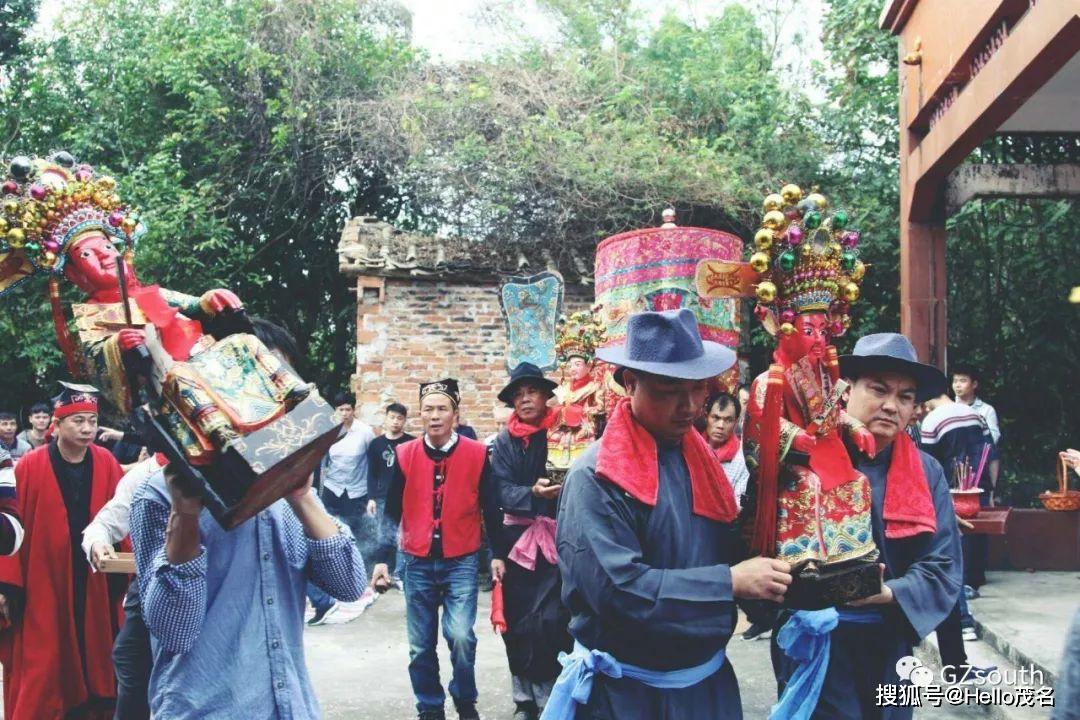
{"x":806,"y":638}
{"x":574,"y":685}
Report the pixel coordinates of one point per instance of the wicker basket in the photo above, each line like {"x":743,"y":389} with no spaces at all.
{"x":1064,"y":500}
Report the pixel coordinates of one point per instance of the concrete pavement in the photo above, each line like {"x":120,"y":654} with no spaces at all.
{"x":360,"y":669}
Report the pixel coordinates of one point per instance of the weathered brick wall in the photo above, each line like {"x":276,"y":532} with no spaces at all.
{"x":412,"y":331}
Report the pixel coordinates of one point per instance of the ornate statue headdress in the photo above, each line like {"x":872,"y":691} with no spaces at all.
{"x":45,"y":203}
{"x":807,"y":261}
{"x":579,"y":335}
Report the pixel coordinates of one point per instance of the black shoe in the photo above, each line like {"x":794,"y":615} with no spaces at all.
{"x":966,"y":674}
{"x":486,"y":583}
{"x":467,"y":711}
{"x":321,"y":613}
{"x":527,"y":711}
{"x":439,"y":714}
{"x":755,"y":631}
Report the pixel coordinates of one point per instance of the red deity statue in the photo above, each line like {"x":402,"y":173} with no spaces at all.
{"x":811,"y":506}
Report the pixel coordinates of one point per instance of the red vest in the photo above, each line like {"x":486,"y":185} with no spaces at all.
{"x":460,"y":520}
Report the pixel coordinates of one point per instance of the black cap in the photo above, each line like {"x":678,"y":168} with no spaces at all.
{"x":446,"y":386}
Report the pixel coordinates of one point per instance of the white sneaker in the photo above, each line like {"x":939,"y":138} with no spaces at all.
{"x":969,"y":634}
{"x":367,"y":599}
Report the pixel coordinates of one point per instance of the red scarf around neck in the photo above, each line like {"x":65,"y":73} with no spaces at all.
{"x":523,"y":430}
{"x":628,"y":459}
{"x":908,"y":509}
{"x":727,"y":451}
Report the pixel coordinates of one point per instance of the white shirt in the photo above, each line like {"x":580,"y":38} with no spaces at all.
{"x":345,"y":467}
{"x":737,"y":474}
{"x":445,"y":448}
{"x":989,"y":414}
{"x":112,"y":523}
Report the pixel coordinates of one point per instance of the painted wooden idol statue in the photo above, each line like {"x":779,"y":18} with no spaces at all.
{"x":579,"y":396}
{"x":809,"y":505}
{"x":209,"y":389}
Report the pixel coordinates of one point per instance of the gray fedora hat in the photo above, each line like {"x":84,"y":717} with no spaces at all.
{"x":669,"y":344}
{"x":892,"y":352}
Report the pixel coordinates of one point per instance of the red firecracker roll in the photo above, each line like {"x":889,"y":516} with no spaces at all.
{"x":498,"y":619}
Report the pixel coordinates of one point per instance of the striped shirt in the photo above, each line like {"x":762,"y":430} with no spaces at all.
{"x":954,"y":433}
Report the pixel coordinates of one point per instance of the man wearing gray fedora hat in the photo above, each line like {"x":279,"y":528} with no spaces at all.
{"x":647,"y":543}
{"x":914,"y":527}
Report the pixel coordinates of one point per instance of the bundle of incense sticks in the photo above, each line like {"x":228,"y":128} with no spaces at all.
{"x":965,"y":478}
{"x":982,"y":465}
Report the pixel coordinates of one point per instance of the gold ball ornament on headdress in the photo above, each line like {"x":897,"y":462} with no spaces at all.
{"x":806,"y":260}
{"x":763,"y":239}
{"x":759,"y":261}
{"x":766,"y":292}
{"x":774,"y":220}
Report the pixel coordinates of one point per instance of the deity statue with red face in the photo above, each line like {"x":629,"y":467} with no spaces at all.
{"x":60,"y":218}
{"x":808,"y":504}
{"x":579,"y":396}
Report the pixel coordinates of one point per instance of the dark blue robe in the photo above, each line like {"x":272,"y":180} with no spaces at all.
{"x":651,"y":586}
{"x":535,"y":615}
{"x":924,"y":573}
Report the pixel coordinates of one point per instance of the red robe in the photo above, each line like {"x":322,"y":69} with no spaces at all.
{"x":43,"y":669}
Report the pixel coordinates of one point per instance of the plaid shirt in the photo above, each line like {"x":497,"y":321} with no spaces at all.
{"x":227,"y":626}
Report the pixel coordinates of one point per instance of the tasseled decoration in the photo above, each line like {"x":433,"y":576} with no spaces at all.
{"x":763,"y":540}
{"x":63,"y":336}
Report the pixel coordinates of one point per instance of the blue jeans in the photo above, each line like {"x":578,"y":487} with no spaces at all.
{"x":352,"y":512}
{"x":966,"y":620}
{"x":452,"y":584}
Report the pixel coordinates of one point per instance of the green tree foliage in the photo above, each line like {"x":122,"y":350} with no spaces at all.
{"x":860,"y":122}
{"x":596,"y":133}
{"x":1009,"y":314}
{"x":1007,"y":283}
{"x":16,"y":17}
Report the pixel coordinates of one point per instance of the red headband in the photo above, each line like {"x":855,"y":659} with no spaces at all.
{"x":82,"y":406}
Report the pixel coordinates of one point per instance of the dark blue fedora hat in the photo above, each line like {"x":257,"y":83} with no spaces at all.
{"x":892,"y":352}
{"x":669,"y":344}
{"x":525,"y":372}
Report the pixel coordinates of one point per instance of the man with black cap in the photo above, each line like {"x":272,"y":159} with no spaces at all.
{"x":535,"y":617}
{"x":60,"y":619}
{"x":439,"y":492}
{"x":647,"y":543}
{"x":914,"y":529}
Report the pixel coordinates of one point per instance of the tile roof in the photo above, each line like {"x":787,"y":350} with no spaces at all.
{"x":369,"y":246}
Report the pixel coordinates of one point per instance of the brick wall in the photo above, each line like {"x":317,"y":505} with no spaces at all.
{"x":412,"y":331}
